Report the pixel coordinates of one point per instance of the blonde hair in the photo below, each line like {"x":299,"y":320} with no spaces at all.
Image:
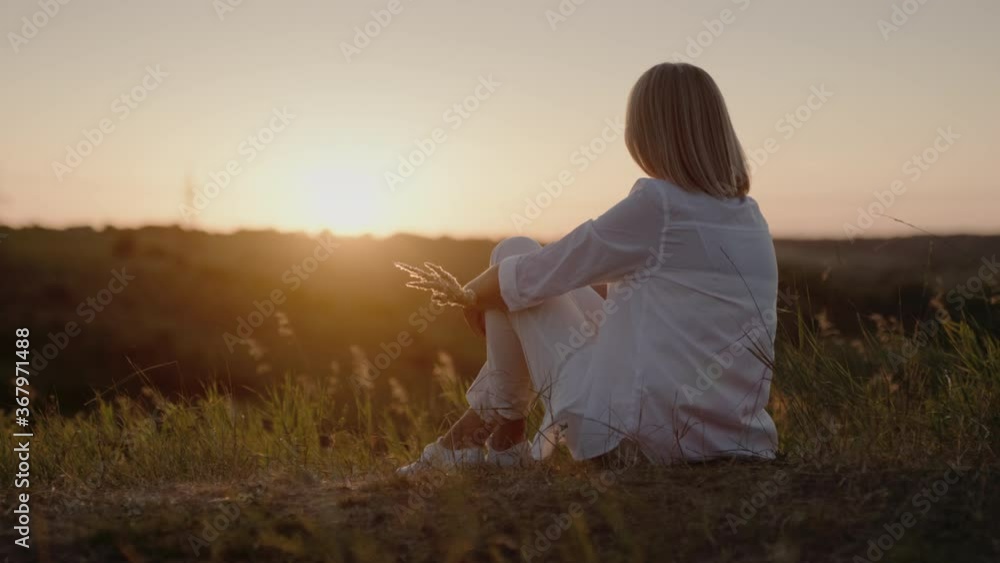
{"x":678,"y":129}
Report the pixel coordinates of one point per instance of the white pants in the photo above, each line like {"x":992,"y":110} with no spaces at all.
{"x":521,"y":361}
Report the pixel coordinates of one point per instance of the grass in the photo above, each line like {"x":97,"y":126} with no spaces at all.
{"x":873,"y":429}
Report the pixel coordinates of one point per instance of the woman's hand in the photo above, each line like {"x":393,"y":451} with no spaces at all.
{"x":476,"y":319}
{"x":486,"y":289}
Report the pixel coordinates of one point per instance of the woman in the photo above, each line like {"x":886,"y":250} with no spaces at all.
{"x":676,"y":358}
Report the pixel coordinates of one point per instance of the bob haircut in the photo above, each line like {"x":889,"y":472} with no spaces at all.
{"x":678,"y":129}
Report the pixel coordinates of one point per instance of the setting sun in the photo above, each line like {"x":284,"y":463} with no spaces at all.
{"x":344,"y":201}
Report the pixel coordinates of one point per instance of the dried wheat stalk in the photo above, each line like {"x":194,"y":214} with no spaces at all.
{"x":444,"y":288}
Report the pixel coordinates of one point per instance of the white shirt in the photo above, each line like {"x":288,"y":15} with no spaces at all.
{"x":675,"y":361}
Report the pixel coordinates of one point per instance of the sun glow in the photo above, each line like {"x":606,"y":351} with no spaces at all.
{"x":343,"y":201}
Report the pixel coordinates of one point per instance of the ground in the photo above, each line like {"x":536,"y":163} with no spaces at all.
{"x":737,"y":512}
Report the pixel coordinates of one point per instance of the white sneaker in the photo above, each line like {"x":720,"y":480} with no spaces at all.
{"x":518,"y":455}
{"x":436,"y":456}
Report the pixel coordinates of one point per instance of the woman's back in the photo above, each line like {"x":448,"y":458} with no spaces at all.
{"x":679,"y":359}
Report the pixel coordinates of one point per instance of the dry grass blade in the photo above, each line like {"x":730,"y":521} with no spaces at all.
{"x":445,"y":288}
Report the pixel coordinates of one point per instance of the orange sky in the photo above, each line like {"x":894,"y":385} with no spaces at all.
{"x":470,"y":118}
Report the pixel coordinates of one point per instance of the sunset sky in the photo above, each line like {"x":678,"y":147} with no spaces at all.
{"x":312,"y":114}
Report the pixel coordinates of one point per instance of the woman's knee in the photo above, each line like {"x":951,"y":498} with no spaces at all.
{"x":512,"y":247}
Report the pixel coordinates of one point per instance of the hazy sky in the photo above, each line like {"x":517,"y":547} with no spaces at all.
{"x":309,"y":114}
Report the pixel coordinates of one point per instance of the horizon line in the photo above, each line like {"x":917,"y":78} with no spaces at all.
{"x":441,"y":235}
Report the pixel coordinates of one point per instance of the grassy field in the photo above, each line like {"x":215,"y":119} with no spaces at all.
{"x":157,"y":440}
{"x":890,"y":446}
{"x":191,"y":295}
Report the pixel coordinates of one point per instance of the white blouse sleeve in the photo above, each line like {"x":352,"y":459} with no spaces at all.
{"x":625,"y":238}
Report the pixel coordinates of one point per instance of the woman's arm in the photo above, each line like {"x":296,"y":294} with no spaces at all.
{"x":615,"y":244}
{"x":486,"y":286}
